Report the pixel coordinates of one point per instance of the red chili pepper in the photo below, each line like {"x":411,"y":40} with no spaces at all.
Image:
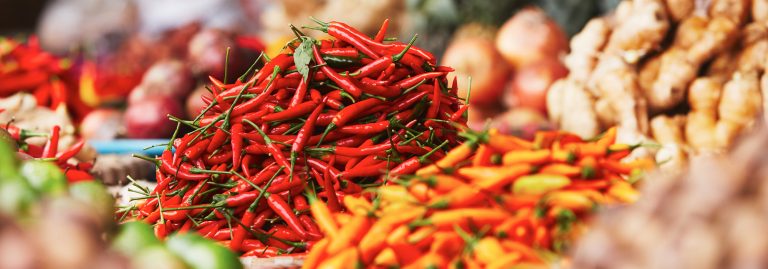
{"x":252,"y":104}
{"x":23,"y":81}
{"x":414,"y":163}
{"x":300,"y":203}
{"x":237,"y":143}
{"x":321,"y":166}
{"x":299,"y":94}
{"x":366,"y":128}
{"x":407,"y":101}
{"x":49,"y":151}
{"x":340,"y":52}
{"x":273,"y":149}
{"x":181,"y":172}
{"x":20,"y":134}
{"x":290,"y":113}
{"x":220,"y":158}
{"x":245,"y":165}
{"x":161,"y":229}
{"x":280,"y":129}
{"x":238,"y":235}
{"x":342,"y":81}
{"x":349,"y":37}
{"x":412,"y":81}
{"x":379,"y":90}
{"x":195,"y":151}
{"x":282,"y":61}
{"x":261,"y":218}
{"x":64,"y":156}
{"x":285,"y":212}
{"x":435,"y":106}
{"x":218,"y":139}
{"x":382,"y":31}
{"x":459,"y":114}
{"x":302,"y":137}
{"x":74,"y":175}
{"x":260,"y":177}
{"x":263,"y":252}
{"x":366,"y":171}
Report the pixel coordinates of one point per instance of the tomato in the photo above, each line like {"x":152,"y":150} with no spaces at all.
{"x":45,"y":177}
{"x":200,"y":253}
{"x":157,"y":256}
{"x":133,"y":237}
{"x":94,"y":194}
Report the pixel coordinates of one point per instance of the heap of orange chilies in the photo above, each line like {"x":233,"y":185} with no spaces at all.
{"x":493,"y":202}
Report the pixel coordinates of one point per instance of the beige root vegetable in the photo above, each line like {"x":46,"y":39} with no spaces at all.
{"x":764,"y":92}
{"x":700,"y":130}
{"x":690,"y":31}
{"x":760,"y":10}
{"x":668,"y":130}
{"x":640,"y":32}
{"x":704,"y":94}
{"x":723,"y":65}
{"x":701,"y":60}
{"x":741,"y":100}
{"x":734,"y":10}
{"x":680,"y":9}
{"x":754,"y":51}
{"x":726,"y":132}
{"x":720,"y":35}
{"x":674,"y":74}
{"x":619,"y":87}
{"x":569,"y":95}
{"x":585,"y":48}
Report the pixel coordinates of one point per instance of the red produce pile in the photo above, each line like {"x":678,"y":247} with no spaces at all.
{"x":73,"y":170}
{"x":328,"y":118}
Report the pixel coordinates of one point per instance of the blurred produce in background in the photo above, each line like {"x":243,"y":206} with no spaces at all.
{"x":122,"y":52}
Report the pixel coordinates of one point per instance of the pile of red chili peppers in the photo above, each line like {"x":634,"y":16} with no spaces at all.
{"x":361,"y":109}
{"x":74,"y":171}
{"x":26,"y":67}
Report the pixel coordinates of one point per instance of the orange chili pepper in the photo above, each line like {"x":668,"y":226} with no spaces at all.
{"x":527,"y":156}
{"x":482,"y":156}
{"x":505,"y":143}
{"x":316,"y":254}
{"x":323,"y":217}
{"x":344,"y":260}
{"x":453,"y":157}
{"x":463,"y":196}
{"x":350,"y":235}
{"x":374,"y":240}
{"x":561,"y":169}
{"x":461,"y":217}
{"x":503,"y":176}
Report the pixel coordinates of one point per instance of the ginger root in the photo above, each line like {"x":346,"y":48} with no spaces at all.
{"x":641,"y":31}
{"x":667,"y":129}
{"x":674,"y":74}
{"x":569,"y":96}
{"x":585,"y":48}
{"x":741,"y":99}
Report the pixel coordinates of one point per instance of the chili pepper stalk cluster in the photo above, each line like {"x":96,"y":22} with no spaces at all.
{"x":327,"y":118}
{"x":73,"y":170}
{"x":495,"y":201}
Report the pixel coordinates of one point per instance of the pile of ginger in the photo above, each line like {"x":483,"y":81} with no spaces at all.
{"x":686,"y":74}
